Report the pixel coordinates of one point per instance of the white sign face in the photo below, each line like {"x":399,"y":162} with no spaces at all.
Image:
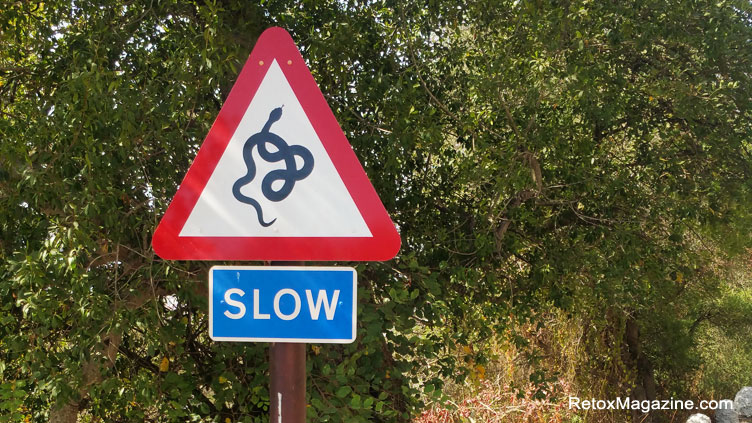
{"x":275,"y":178}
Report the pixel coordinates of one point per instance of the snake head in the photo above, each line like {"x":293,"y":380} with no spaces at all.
{"x":275,"y":115}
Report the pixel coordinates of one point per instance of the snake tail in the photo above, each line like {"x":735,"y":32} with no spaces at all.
{"x":250,"y":201}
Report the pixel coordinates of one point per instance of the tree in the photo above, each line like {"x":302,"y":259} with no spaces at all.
{"x":581,"y":161}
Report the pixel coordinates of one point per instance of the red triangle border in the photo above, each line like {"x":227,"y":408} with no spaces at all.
{"x":276,"y":43}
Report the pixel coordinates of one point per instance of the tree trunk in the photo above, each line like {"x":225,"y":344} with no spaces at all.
{"x":645,"y":381}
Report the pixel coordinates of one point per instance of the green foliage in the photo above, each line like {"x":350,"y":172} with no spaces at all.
{"x":590,"y":158}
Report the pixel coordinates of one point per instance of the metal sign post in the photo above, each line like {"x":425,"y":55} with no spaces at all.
{"x":287,"y":388}
{"x":287,"y":377}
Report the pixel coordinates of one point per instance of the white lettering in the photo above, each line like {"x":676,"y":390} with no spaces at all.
{"x":233,"y":303}
{"x":726,"y":404}
{"x":295,"y":312}
{"x":257,"y":315}
{"x":329,"y":307}
{"x":645,"y":406}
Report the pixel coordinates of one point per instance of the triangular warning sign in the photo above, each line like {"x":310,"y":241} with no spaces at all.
{"x":276,"y":179}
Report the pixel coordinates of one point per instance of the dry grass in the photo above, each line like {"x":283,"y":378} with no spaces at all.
{"x":501,"y":392}
{"x":492,"y":401}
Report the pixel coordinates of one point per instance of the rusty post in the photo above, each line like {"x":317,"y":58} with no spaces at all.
{"x":287,"y":374}
{"x":287,"y":391}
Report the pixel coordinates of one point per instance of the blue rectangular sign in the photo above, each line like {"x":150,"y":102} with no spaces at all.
{"x":282,"y":304}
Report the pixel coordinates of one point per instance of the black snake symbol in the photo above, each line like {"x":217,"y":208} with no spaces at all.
{"x":290,"y":174}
